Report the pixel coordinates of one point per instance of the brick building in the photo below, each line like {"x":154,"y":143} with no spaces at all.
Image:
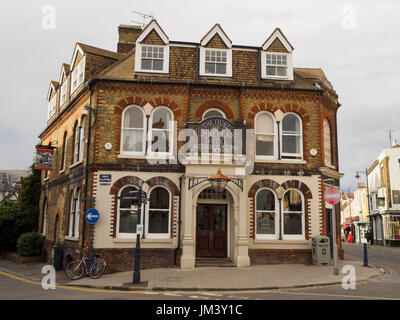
{"x":138,"y":101}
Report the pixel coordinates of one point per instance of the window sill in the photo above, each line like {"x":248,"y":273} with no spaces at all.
{"x":76,"y":164}
{"x":281,"y":161}
{"x":71,"y":238}
{"x":133,"y":240}
{"x":46,"y":179}
{"x":62,"y":171}
{"x":282,"y":241}
{"x":160,"y":73}
{"x":210,"y":76}
{"x":142,"y":156}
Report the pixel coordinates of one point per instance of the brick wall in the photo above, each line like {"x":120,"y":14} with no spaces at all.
{"x":280,"y":256}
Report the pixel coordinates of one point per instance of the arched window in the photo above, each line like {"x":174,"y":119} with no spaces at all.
{"x":73,"y":223}
{"x":76,"y":143}
{"x":161,"y":133}
{"x":292,"y":138}
{"x":213,"y":112}
{"x":159,"y":214}
{"x":133,"y":138}
{"x":266,"y":144}
{"x":81,"y":138}
{"x":267,"y":220}
{"x":127,"y":217}
{"x":44,"y":224}
{"x":293,"y":215}
{"x":327,"y":143}
{"x":64,"y":152}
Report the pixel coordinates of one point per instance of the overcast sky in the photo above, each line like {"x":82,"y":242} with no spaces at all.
{"x":356,"y":43}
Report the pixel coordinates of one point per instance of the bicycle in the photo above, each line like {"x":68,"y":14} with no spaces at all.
{"x":76,"y":268}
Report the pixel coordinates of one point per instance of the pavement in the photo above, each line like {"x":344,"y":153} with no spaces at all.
{"x":258,"y":277}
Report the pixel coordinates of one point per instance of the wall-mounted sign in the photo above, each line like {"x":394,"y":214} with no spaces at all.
{"x":44,"y":158}
{"x":105,"y":178}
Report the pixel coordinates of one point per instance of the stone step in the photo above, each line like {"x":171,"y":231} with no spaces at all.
{"x":214,"y":262}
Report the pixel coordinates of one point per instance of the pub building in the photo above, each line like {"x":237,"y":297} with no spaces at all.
{"x":120,"y":120}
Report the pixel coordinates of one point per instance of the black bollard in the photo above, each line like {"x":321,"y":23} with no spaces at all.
{"x":365,"y":255}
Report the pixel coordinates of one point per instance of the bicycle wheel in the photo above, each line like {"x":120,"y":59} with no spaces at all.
{"x":74,"y":270}
{"x":98,"y":268}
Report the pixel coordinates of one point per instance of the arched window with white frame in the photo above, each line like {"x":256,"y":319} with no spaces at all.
{"x":266,"y":137}
{"x":293,"y":226}
{"x":127,"y":218}
{"x":292,"y":137}
{"x":213,"y":112}
{"x":267,"y":219}
{"x":158,"y":220}
{"x":161,"y":132}
{"x":327,"y":143}
{"x":133,"y":137}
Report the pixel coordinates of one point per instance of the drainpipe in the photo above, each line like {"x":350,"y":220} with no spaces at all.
{"x":85,"y":206}
{"x":179,"y":217}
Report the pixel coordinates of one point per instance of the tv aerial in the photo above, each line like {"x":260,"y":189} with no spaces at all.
{"x":146,"y":18}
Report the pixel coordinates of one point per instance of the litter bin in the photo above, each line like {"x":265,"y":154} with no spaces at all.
{"x":57,"y":257}
{"x":321,"y":250}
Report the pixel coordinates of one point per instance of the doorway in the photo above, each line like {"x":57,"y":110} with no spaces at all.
{"x":211,"y":230}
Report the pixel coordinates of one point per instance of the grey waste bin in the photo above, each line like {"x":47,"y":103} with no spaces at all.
{"x":321,"y":250}
{"x":57,"y":257}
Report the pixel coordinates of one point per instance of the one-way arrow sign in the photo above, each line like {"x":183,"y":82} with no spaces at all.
{"x":92,"y":216}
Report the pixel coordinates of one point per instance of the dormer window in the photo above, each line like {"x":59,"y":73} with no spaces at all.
{"x":152,"y":50}
{"x":63,"y":97}
{"x":276,"y":65}
{"x":215,"y":62}
{"x":78,"y":75}
{"x":276,"y":57}
{"x":52,"y":106}
{"x":152,"y":58}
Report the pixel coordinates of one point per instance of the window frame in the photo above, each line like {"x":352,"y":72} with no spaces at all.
{"x":52,"y":109}
{"x":327,"y":148}
{"x":260,"y":236}
{"x":78,"y":71}
{"x":303,"y":215}
{"x":289,"y":66}
{"x":213,"y":109}
{"x":138,"y":58}
{"x":275,"y":141}
{"x":150,"y":134}
{"x":74,"y":215}
{"x":133,"y":153}
{"x":119,"y":235}
{"x":292,"y":156}
{"x":64,"y":151}
{"x":202,"y":70}
{"x":158,"y":235}
{"x":44,"y":222}
{"x":63,"y":92}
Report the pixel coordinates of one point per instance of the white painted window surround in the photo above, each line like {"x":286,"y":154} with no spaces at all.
{"x":212,"y":53}
{"x":293,"y":215}
{"x":144,"y":51}
{"x":78,"y":75}
{"x":276,"y":60}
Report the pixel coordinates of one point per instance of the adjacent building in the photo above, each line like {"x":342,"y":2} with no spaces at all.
{"x":9,"y":183}
{"x":120,"y":121}
{"x":384,"y":196}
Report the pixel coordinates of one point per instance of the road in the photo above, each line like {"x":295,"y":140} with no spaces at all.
{"x":386,"y":286}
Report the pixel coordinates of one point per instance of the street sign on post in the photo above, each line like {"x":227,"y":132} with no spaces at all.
{"x":92,"y":216}
{"x":332,"y":196}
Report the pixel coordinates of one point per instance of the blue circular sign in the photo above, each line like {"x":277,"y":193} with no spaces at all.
{"x":92,"y":216}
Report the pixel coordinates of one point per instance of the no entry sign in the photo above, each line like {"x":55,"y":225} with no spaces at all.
{"x":332,"y":195}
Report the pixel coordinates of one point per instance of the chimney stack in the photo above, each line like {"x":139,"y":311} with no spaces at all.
{"x":127,"y":38}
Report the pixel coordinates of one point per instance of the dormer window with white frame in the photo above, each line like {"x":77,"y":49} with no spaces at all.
{"x":63,"y":93}
{"x":152,"y":58}
{"x":216,"y":62}
{"x":78,"y":75}
{"x":276,"y":57}
{"x":52,"y":106}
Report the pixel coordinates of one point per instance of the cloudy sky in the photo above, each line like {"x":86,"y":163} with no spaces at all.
{"x":356,"y":43}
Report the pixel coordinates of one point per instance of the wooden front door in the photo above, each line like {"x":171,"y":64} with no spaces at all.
{"x":211,"y":239}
